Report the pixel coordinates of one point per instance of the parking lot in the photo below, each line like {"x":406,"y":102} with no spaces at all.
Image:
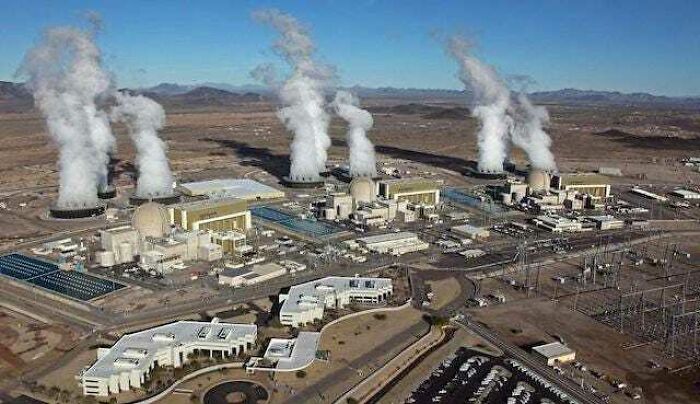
{"x":473,"y":377}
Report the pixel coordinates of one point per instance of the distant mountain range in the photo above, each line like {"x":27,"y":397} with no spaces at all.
{"x":574,"y":96}
{"x":14,"y":97}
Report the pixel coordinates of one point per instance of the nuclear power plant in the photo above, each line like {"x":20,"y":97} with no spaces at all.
{"x":367,"y":274}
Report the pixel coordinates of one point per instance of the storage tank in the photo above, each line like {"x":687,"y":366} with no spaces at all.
{"x":126,"y":252}
{"x":105,"y":258}
{"x":538,"y":181}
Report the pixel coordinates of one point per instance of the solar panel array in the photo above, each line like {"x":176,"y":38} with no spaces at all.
{"x":48,"y":275}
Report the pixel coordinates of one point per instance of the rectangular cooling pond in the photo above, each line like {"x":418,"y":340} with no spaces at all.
{"x":295,"y":224}
{"x":47,"y":275}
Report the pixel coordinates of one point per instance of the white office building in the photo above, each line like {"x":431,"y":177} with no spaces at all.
{"x":129,"y":362}
{"x":307,"y":302}
{"x":287,"y":354}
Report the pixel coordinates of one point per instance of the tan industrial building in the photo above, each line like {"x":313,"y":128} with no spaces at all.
{"x":231,"y":242}
{"x":120,"y":245}
{"x":592,"y":184}
{"x":417,"y":191}
{"x":215,"y":215}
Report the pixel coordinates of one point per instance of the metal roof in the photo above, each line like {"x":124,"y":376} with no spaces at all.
{"x":553,"y":350}
{"x":121,"y":357}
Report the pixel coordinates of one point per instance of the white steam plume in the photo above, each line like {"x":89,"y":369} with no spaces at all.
{"x":302,"y":96}
{"x":492,"y":98}
{"x":528,"y":133}
{"x":66,"y":78}
{"x":143,"y":118}
{"x":362,"y":157}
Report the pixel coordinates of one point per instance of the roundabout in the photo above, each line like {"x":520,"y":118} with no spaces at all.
{"x":236,"y":392}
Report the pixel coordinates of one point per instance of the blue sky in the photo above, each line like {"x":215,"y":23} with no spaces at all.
{"x":623,"y":45}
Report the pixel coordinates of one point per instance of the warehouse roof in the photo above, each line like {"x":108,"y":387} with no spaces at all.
{"x":553,"y":350}
{"x":685,"y":193}
{"x":387,"y":237}
{"x":240,"y":188}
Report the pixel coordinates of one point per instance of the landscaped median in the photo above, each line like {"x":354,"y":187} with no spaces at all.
{"x":392,"y":369}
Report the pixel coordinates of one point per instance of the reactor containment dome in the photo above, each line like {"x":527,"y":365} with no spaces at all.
{"x":362,"y":189}
{"x":538,"y":181}
{"x":151,"y":220}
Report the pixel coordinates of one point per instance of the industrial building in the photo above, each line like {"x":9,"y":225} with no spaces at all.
{"x":237,"y":277}
{"x":470,"y":231}
{"x":557,"y":224}
{"x":231,"y":242}
{"x":215,"y":215}
{"x":554,"y":353}
{"x":685,"y":194}
{"x":606,"y":222}
{"x":119,"y":246}
{"x":338,"y":206}
{"x":391,"y":243}
{"x":592,"y":184}
{"x":160,"y":247}
{"x":649,"y":195}
{"x":307,"y":302}
{"x":417,"y":191}
{"x":131,"y":359}
{"x":244,"y":188}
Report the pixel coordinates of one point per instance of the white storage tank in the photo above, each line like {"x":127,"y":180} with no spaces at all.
{"x":126,"y":252}
{"x":105,"y":258}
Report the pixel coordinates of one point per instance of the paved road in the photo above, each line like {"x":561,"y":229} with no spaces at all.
{"x":376,"y":358}
{"x":566,"y":385}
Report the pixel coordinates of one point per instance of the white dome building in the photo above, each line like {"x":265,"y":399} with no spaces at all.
{"x":362,"y":190}
{"x":538,"y":181}
{"x":151,"y":220}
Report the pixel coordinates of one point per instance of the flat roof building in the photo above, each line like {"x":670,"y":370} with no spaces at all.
{"x":287,"y":354}
{"x":237,"y":277}
{"x":685,"y":194}
{"x":647,"y":194}
{"x":470,"y":231}
{"x":242,"y":188}
{"x":307,"y":302}
{"x":557,"y":224}
{"x":131,"y":359}
{"x":418,"y":191}
{"x":554,"y":353}
{"x":593,"y":184}
{"x":393,"y":243}
{"x":215,"y":215}
{"x":606,"y":222}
